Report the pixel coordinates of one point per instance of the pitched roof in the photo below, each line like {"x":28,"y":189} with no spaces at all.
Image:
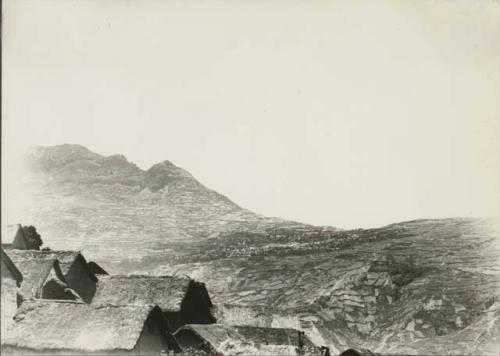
{"x":15,"y":232}
{"x":7,"y":261}
{"x":167,"y":292}
{"x":66,"y":259}
{"x":249,"y":340}
{"x":20,"y":239}
{"x":35,"y":274}
{"x":56,"y":325}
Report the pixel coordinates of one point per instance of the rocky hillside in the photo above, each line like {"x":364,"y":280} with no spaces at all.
{"x":416,"y":287}
{"x":83,"y":200}
{"x":419,"y":287}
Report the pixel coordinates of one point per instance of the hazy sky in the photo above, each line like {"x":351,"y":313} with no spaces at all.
{"x":346,"y":113}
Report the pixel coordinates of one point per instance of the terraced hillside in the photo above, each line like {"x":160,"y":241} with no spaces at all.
{"x":420,"y":287}
{"x":388,"y":289}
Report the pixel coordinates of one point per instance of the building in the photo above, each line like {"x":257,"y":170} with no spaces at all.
{"x":43,"y":278}
{"x":244,"y":340}
{"x":73,"y":265}
{"x":20,"y":242}
{"x":74,"y":328}
{"x":181,"y":299}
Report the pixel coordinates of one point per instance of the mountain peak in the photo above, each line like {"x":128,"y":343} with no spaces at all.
{"x":48,"y":157}
{"x":75,"y":166}
{"x":165,"y":173}
{"x":79,"y":161}
{"x":64,"y":149}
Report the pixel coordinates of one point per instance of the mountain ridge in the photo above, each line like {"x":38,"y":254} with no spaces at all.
{"x":50,"y":159}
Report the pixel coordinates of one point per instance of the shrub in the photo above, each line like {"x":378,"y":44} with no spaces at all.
{"x":33,"y":238}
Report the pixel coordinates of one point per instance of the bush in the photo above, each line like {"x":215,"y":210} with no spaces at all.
{"x":33,"y":238}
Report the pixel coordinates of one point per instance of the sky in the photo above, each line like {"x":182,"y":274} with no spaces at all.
{"x":342,"y":113}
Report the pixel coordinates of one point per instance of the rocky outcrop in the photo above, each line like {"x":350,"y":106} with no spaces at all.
{"x":47,"y":159}
{"x":164,"y":174}
{"x":362,"y":299}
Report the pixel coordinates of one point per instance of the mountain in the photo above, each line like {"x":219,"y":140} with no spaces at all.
{"x":98,"y":204}
{"x":423,"y":286}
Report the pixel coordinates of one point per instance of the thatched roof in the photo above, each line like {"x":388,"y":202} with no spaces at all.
{"x":36,"y":272}
{"x":20,"y":240}
{"x":248,"y":339}
{"x":167,"y":292}
{"x":357,"y":352}
{"x":56,"y":325}
{"x":66,"y":259}
{"x":7,"y":262}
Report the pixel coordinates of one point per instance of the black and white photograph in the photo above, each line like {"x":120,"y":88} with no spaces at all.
{"x":241,"y":177}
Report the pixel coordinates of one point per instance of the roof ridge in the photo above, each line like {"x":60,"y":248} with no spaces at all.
{"x":43,"y":302}
{"x":40,"y":301}
{"x":112,"y":305}
{"x":45,"y":251}
{"x":263,"y":327}
{"x":144,"y":276}
{"x":51,"y":250}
